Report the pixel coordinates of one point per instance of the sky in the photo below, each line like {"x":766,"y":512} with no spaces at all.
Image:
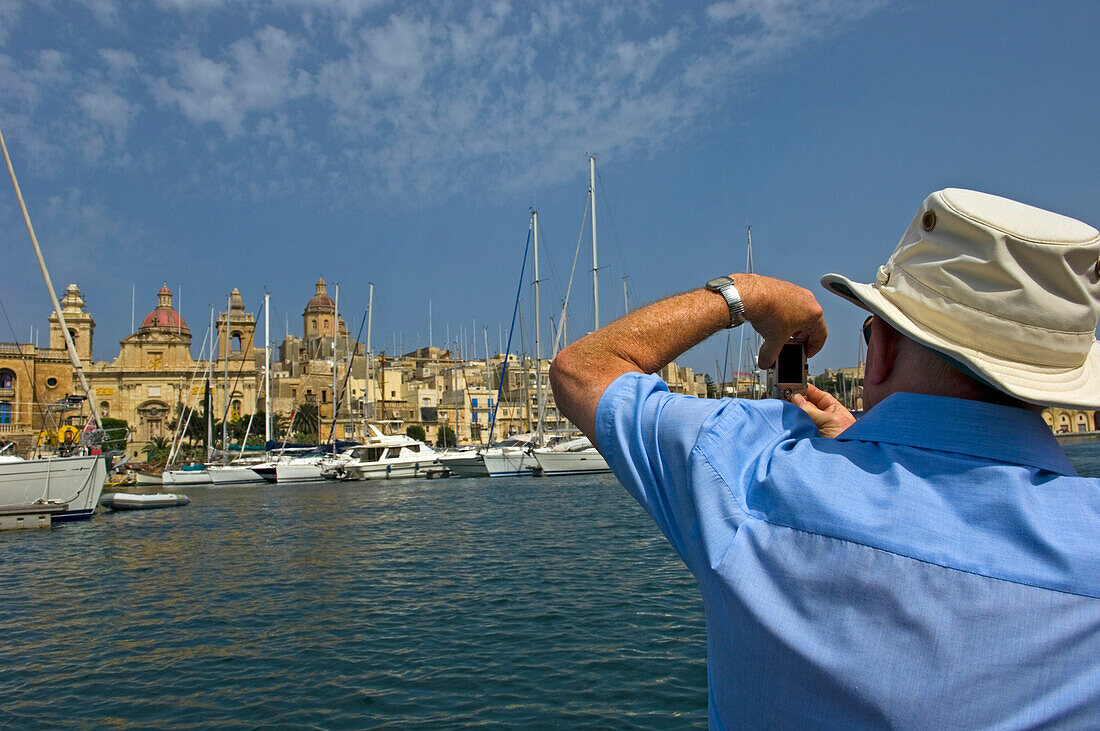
{"x":213,"y":144}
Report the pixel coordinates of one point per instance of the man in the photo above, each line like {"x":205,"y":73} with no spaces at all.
{"x":937,"y":563}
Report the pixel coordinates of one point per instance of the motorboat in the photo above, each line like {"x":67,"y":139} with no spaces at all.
{"x":309,"y":465}
{"x":76,"y":482}
{"x":572,"y":457}
{"x":130,"y":501}
{"x":384,"y":457}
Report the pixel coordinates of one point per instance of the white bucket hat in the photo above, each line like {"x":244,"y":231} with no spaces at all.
{"x":1008,"y":291}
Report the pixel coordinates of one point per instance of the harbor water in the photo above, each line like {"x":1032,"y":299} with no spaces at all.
{"x":409,"y":603}
{"x":404,"y":604}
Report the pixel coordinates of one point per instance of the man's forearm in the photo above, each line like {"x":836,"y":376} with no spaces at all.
{"x":650,"y":338}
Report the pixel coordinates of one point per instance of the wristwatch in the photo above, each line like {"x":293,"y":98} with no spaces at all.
{"x":724,"y":286}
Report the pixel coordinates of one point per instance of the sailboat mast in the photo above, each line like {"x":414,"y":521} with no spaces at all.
{"x":595,"y":265}
{"x":370,"y":358}
{"x":225,"y":383}
{"x":485,"y":337}
{"x":538,"y":326}
{"x":209,"y":400}
{"x":335,"y":354}
{"x":267,"y":368}
{"x":69,"y":345}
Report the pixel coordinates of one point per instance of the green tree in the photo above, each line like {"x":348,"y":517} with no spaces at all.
{"x":116,"y":430}
{"x":156,"y":449}
{"x":307,"y":423}
{"x":415,"y":431}
{"x":712,"y":390}
{"x":446,"y":437}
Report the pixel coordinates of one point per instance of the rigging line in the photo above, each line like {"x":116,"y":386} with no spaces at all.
{"x":614,"y":228}
{"x":343,"y":386}
{"x":558,"y":345}
{"x":181,"y":424}
{"x":508,"y":349}
{"x":546,"y":259}
{"x":30,"y":378}
{"x":244,"y":359}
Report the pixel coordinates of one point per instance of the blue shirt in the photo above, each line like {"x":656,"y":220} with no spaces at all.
{"x":937,"y":566}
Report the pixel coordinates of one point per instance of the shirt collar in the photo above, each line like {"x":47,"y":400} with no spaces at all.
{"x":975,"y":428}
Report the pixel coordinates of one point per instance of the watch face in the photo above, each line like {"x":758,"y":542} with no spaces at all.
{"x":719,"y":282}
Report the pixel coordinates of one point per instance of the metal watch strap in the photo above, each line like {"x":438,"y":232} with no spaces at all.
{"x":725,"y":287}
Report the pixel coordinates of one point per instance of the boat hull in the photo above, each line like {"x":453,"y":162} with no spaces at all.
{"x":571,"y":463}
{"x":124,"y":501}
{"x":388,"y":470}
{"x":77,"y":481}
{"x":186,"y":477}
{"x":146,"y":479}
{"x":233,"y":475}
{"x":466,"y":465}
{"x":509,"y":463}
{"x":298,"y":472}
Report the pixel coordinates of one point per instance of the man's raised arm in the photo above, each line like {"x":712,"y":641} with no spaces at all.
{"x":649,"y":338}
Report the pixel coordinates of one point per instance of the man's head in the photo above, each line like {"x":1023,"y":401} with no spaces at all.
{"x":1006,"y":294}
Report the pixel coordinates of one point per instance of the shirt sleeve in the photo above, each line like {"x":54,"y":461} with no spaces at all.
{"x":690,"y":462}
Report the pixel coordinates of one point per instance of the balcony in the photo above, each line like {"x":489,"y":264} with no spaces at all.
{"x":6,"y":393}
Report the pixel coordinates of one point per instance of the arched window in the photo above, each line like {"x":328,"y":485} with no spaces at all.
{"x":104,"y":408}
{"x":1063,"y":423}
{"x":236,"y":342}
{"x":237,"y":405}
{"x":7,"y":379}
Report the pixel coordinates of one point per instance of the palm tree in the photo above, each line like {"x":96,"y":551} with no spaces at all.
{"x":306,"y":419}
{"x":155,"y":449}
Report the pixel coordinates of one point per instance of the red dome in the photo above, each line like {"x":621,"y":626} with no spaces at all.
{"x":165,"y":320}
{"x":164,"y":317}
{"x":320,"y":300}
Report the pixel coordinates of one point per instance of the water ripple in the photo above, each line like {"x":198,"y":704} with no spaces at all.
{"x":409,"y":604}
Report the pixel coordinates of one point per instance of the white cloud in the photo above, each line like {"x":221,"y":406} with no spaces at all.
{"x":257,"y":76}
{"x":119,"y":63}
{"x":365,"y":96}
{"x":110,"y":110}
{"x":10,"y":10}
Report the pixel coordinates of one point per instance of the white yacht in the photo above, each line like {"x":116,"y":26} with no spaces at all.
{"x":73,"y":481}
{"x":385,"y":457}
{"x":573,"y":457}
{"x":510,"y":458}
{"x":309,"y":466}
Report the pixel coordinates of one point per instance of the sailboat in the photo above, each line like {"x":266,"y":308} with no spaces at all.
{"x":578,"y":456}
{"x":511,"y":457}
{"x":63,"y":486}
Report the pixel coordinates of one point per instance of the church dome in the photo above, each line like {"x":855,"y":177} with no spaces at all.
{"x":320,"y":301}
{"x":164,"y":317}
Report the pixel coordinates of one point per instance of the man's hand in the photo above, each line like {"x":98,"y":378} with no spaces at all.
{"x":778,"y":311}
{"x":828,"y":414}
{"x":647,"y":339}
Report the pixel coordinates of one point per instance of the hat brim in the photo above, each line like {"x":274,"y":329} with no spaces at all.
{"x":1074,"y":388}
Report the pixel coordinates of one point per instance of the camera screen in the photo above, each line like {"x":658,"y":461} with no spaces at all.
{"x":789,"y":366}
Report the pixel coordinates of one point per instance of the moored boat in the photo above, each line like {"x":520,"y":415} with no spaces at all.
{"x":574,"y":457}
{"x":195,"y":474}
{"x":74,"y":481}
{"x":131,"y":501}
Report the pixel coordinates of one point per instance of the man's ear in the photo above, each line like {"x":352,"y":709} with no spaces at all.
{"x":882,"y":352}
